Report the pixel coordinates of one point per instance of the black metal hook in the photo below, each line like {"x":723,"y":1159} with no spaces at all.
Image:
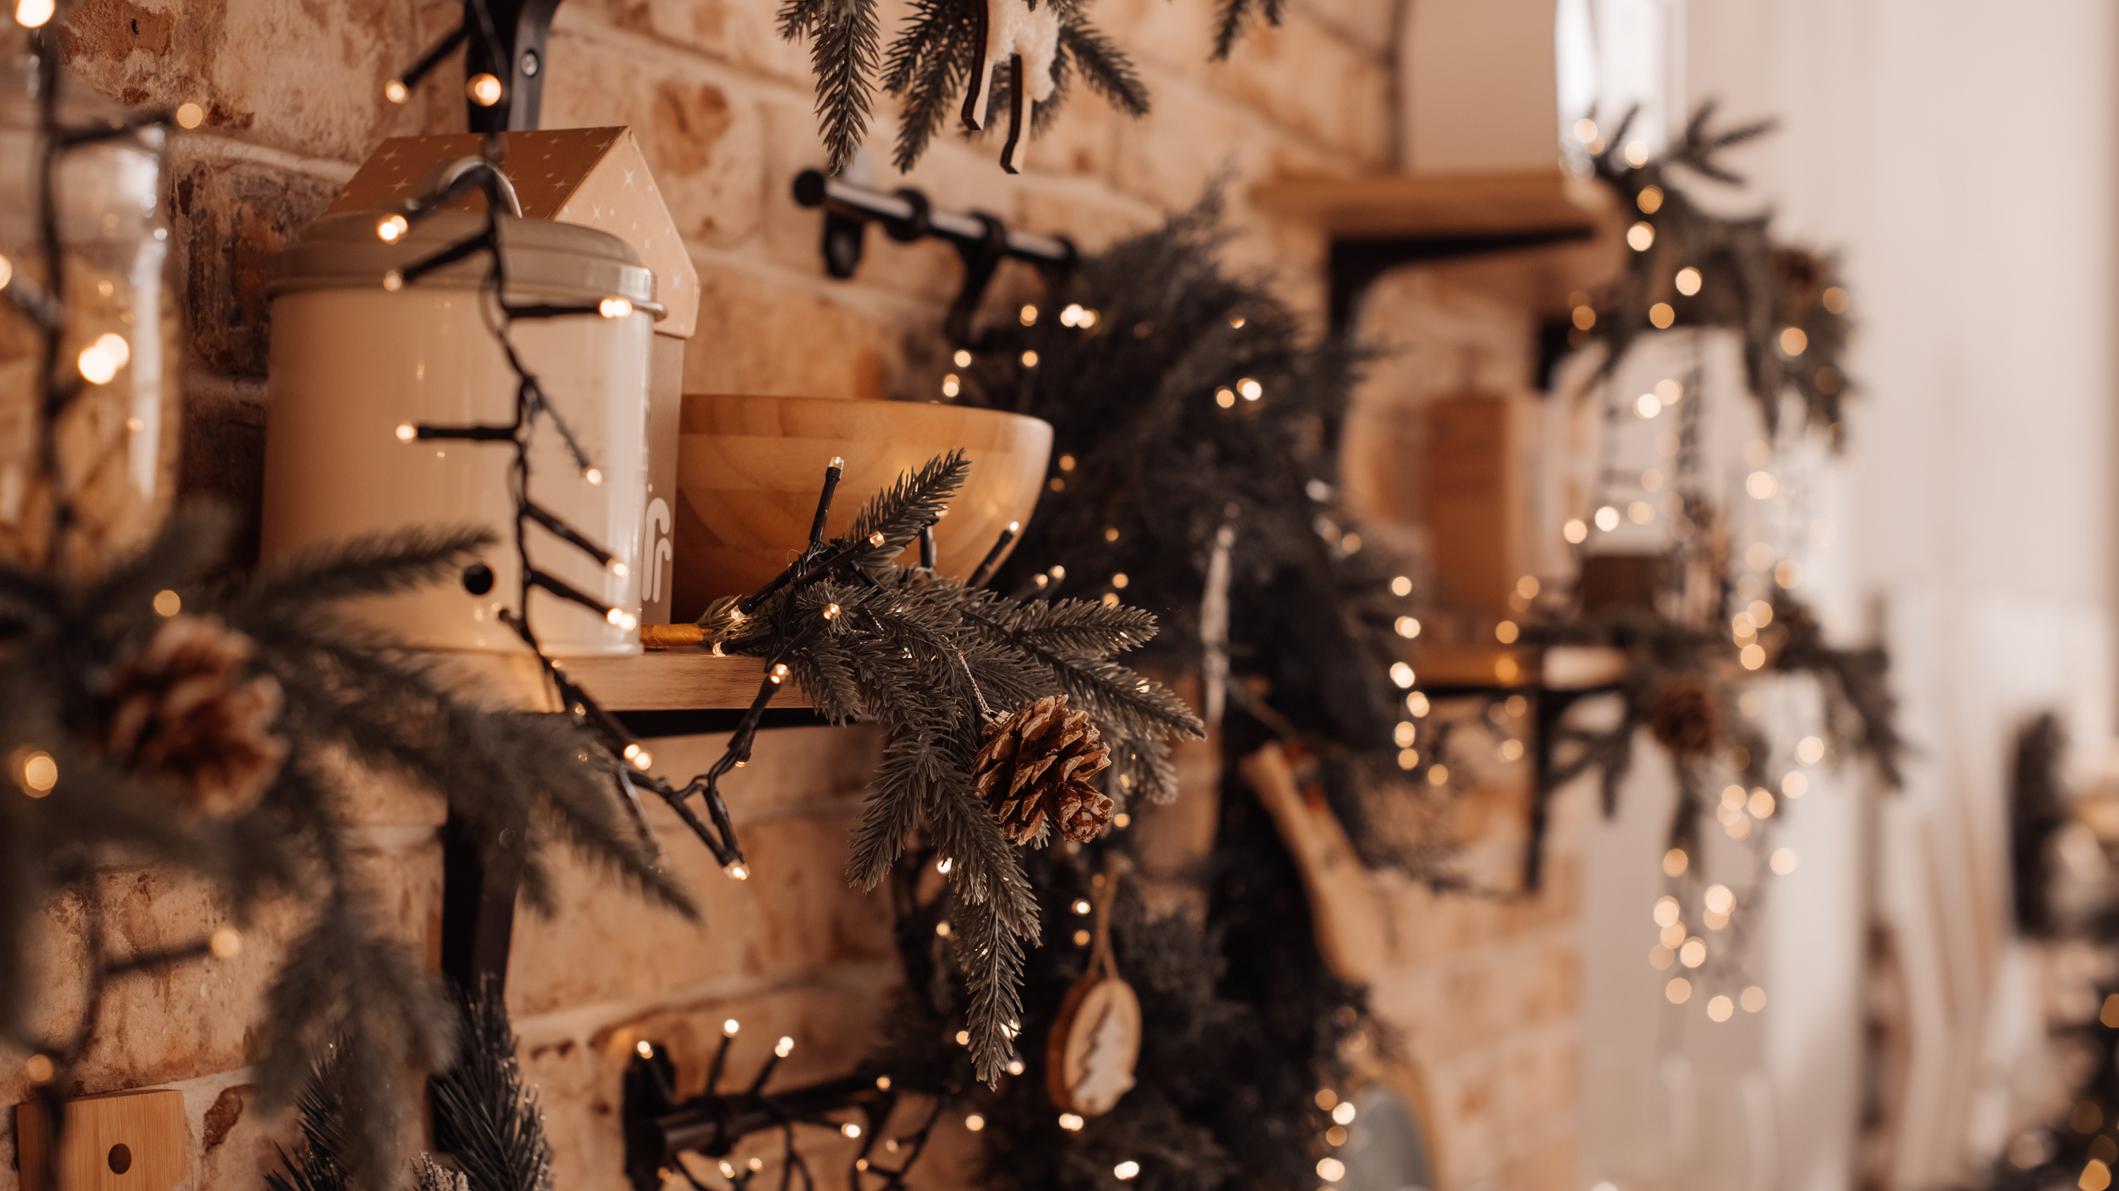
{"x":982,"y":240}
{"x":503,"y":38}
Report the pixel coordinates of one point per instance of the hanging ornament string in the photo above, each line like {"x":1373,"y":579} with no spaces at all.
{"x":1095,"y":1040}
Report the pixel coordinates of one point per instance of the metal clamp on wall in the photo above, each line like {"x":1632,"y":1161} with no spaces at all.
{"x":906,"y":215}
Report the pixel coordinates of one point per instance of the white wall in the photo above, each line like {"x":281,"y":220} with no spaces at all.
{"x":1963,"y":156}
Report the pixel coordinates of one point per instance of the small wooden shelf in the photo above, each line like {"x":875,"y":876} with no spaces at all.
{"x":1451,"y":669}
{"x":1399,"y":206}
{"x":690,"y":679}
{"x":1538,"y":235}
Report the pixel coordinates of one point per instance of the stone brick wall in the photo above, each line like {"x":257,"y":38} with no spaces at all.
{"x":1482,"y":987}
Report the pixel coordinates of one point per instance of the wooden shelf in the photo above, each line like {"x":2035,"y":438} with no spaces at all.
{"x":1397,"y":206}
{"x":667,"y":680}
{"x":1532,"y":238}
{"x":1560,"y":668}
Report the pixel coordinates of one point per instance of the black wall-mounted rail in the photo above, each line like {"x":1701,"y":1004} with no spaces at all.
{"x":982,"y":240}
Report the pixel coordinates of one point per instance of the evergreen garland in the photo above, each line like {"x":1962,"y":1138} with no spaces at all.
{"x":1235,"y":1040}
{"x":931,"y":661}
{"x":348,"y":696}
{"x":1661,"y":654}
{"x":1172,"y":461}
{"x":933,"y":58}
{"x":1748,"y":281}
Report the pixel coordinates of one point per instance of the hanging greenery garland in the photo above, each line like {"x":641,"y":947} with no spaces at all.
{"x":1691,"y":268}
{"x":205,"y":721}
{"x":970,"y":688}
{"x":1196,"y":428}
{"x":1007,"y":58}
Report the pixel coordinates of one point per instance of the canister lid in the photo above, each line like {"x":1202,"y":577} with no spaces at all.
{"x":547,"y":262}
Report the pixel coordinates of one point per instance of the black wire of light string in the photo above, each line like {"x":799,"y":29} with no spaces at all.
{"x":56,"y":389}
{"x":628,"y":757}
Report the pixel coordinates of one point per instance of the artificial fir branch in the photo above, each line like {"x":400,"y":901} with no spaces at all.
{"x":353,"y":705}
{"x":485,"y":1117}
{"x":932,"y":661}
{"x":1748,"y":281}
{"x":1164,"y":472}
{"x":930,"y":62}
{"x":847,"y":41}
{"x":1105,"y":68}
{"x":1233,"y":17}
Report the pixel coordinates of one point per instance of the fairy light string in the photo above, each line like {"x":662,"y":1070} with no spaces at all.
{"x":628,"y":757}
{"x":44,"y":305}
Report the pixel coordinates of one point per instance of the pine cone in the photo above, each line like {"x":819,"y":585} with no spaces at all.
{"x":1685,"y":717}
{"x":1036,"y":764}
{"x":181,"y":709}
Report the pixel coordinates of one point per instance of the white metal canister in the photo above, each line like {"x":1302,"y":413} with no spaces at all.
{"x":353,"y":363}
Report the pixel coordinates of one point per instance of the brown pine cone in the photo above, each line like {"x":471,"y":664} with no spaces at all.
{"x":1036,"y":764}
{"x":182,"y":710}
{"x":1685,"y":717}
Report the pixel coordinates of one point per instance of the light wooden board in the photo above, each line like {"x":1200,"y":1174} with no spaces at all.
{"x":125,"y":1141}
{"x":671,"y":680}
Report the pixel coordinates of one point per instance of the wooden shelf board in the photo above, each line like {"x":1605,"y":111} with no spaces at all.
{"x":665,"y":680}
{"x":1393,"y":206}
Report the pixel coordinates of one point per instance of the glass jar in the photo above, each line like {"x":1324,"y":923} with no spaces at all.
{"x":116,"y":440}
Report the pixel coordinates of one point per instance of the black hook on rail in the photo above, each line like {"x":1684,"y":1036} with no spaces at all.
{"x":982,"y":240}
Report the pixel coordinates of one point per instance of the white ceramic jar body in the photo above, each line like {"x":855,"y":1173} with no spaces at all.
{"x":350,"y":366}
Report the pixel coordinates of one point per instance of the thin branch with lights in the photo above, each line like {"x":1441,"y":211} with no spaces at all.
{"x":938,"y":665}
{"x":1691,"y":268}
{"x":164,"y":710}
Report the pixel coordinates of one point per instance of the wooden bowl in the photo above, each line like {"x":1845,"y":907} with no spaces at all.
{"x":749,"y":469}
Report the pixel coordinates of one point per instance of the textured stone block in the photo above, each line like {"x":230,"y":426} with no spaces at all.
{"x":306,"y":78}
{"x":741,"y":33}
{"x":700,"y":130}
{"x":1305,"y":79}
{"x":760,"y":335}
{"x":230,"y":217}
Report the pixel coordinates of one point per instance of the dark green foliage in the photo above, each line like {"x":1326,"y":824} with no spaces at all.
{"x":484,"y":1116}
{"x":930,"y":62}
{"x":321,"y":1108}
{"x":846,"y":41}
{"x":1749,"y":283}
{"x":349,"y":696}
{"x":1133,"y":400}
{"x":1240,"y":1026}
{"x":1860,"y":711}
{"x":930,"y":661}
{"x":1233,"y":17}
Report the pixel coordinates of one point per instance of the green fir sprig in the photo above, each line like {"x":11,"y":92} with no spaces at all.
{"x":932,"y":662}
{"x":355,"y":707}
{"x":1749,"y":281}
